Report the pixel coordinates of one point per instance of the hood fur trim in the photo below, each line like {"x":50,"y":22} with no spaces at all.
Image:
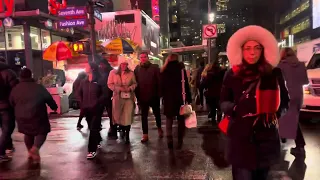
{"x":256,"y":33}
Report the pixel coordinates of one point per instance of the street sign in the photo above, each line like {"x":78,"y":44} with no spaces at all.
{"x":72,"y":11}
{"x":67,"y":23}
{"x":99,"y":4}
{"x":209,"y":31}
{"x":8,"y":22}
{"x":98,"y":15}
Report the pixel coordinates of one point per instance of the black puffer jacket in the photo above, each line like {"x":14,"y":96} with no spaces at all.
{"x":8,"y":79}
{"x":249,"y":148}
{"x":91,"y":93}
{"x":29,"y":100}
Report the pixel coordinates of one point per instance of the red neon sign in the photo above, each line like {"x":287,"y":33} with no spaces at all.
{"x":54,"y":6}
{"x":9,"y":4}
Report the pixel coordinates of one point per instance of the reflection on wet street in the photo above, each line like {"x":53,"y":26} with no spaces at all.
{"x":202,"y":157}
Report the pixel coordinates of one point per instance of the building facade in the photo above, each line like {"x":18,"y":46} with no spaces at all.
{"x":31,"y":32}
{"x":299,"y":23}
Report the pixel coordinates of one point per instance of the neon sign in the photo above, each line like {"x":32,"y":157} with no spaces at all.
{"x":54,"y":6}
{"x":9,"y":4}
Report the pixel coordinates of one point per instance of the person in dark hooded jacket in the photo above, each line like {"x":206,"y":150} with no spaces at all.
{"x":29,"y":100}
{"x":295,"y":75}
{"x":92,"y":103}
{"x":8,"y":80}
{"x":75,"y":94}
{"x":105,"y":69}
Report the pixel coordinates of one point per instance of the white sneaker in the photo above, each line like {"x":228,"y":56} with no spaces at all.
{"x":91,"y":155}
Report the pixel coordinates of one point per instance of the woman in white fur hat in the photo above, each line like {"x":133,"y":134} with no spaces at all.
{"x":123,"y":83}
{"x":253,"y":92}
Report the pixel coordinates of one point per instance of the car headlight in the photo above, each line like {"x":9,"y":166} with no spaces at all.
{"x":306,"y":89}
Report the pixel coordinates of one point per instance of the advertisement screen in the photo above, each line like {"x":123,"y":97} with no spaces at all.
{"x":316,"y":14}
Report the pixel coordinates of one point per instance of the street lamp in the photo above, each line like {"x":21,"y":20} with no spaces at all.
{"x":211,"y":17}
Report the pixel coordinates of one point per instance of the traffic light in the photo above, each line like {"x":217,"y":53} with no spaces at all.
{"x":78,"y":47}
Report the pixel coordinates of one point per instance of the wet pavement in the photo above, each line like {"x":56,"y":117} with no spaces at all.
{"x":202,"y":157}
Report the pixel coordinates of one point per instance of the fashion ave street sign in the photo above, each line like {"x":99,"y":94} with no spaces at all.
{"x":8,"y":5}
{"x":72,"y":23}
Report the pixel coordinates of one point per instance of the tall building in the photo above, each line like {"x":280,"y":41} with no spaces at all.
{"x":298,"y":23}
{"x":232,"y":15}
{"x":185,"y":21}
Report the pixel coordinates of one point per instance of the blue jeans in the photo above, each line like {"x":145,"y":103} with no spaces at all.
{"x":7,"y":123}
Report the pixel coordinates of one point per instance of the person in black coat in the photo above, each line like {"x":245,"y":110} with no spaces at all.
{"x":8,"y":79}
{"x":212,"y":78}
{"x":148,"y":93}
{"x":29,"y":100}
{"x":171,"y":90}
{"x":92,"y":102}
{"x":75,"y":93}
{"x":253,"y":92}
{"x":105,"y":69}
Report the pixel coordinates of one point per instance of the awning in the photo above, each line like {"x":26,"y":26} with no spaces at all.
{"x":38,"y":13}
{"x":185,"y":50}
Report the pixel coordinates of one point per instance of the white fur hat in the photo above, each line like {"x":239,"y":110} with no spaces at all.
{"x":255,"y":33}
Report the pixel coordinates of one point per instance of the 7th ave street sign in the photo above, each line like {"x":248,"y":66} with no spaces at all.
{"x":98,"y":15}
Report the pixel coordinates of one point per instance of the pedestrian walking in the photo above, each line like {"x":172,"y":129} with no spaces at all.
{"x":295,"y":75}
{"x":148,"y":93}
{"x":211,"y":81}
{"x":123,"y":83}
{"x":172,"y":91}
{"x":92,"y":102}
{"x":30,"y":101}
{"x":75,"y":92}
{"x":8,"y":80}
{"x":252,"y":94}
{"x":105,"y":69}
{"x":198,"y":83}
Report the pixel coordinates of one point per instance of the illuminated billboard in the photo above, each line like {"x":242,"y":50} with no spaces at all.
{"x":316,"y":14}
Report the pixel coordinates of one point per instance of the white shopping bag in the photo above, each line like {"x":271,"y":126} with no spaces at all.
{"x":191,"y":120}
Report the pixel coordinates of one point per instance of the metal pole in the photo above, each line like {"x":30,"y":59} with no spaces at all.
{"x":92,"y":30}
{"x":209,"y":40}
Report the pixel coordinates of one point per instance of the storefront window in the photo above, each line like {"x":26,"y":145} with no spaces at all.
{"x":46,"y":39}
{"x":35,"y":38}
{"x":55,"y":38}
{"x":2,"y":39}
{"x":14,"y":38}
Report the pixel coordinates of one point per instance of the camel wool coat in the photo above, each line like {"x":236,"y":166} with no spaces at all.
{"x":122,"y":109}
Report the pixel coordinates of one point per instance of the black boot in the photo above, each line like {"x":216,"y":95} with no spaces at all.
{"x":170,"y":142}
{"x":180,"y":143}
{"x":127,"y":136}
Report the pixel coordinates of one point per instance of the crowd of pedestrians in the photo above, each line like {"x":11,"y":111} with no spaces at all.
{"x":260,"y":96}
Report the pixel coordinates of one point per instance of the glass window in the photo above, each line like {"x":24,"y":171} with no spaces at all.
{"x":15,"y":38}
{"x":2,"y":39}
{"x":46,"y":39}
{"x":35,"y":38}
{"x":55,"y":38}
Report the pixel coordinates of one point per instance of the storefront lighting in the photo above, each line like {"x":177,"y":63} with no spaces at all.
{"x":31,"y":34}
